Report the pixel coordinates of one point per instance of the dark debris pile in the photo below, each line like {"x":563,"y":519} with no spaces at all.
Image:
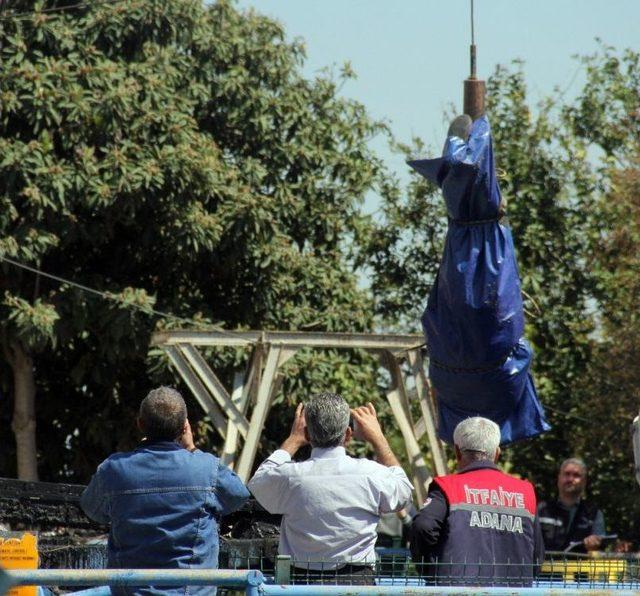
{"x":68,"y":539}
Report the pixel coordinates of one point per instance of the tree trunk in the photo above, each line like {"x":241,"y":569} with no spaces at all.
{"x":24,"y":412}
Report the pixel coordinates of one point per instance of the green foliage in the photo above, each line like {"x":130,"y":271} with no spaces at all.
{"x":612,"y":386}
{"x":173,"y":149}
{"x":405,"y":247}
{"x":547,"y":183}
{"x":606,"y":114}
{"x":31,"y":323}
{"x":606,"y":120}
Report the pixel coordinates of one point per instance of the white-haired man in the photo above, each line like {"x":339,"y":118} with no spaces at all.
{"x":331,"y":503}
{"x":478,"y":526}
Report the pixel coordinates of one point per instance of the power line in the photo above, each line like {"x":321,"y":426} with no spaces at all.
{"x":56,"y":9}
{"x":108,"y":295}
{"x":567,"y":414}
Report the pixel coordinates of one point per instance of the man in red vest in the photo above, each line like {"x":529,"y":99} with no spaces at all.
{"x":479,"y":526}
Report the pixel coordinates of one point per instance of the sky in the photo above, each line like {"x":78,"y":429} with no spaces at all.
{"x":411,"y":56}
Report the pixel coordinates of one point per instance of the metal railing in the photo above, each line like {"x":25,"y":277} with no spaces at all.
{"x":253,"y":583}
{"x":247,"y":580}
{"x":394,"y":573}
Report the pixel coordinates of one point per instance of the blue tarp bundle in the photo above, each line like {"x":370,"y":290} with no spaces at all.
{"x":474,"y":321}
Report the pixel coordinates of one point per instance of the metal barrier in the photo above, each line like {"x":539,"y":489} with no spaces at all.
{"x":249,"y":580}
{"x":394,"y":567}
{"x":253,"y":583}
{"x":273,"y":590}
{"x":393,"y":574}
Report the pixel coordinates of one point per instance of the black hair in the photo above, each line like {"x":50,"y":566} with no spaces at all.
{"x":163,"y":414}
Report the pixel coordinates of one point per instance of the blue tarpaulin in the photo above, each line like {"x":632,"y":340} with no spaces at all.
{"x":474,"y":321}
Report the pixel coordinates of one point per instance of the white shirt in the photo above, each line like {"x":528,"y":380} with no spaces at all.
{"x":330,"y":503}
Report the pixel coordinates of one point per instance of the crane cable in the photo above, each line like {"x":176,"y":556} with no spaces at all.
{"x":111,"y":296}
{"x":473,"y":37}
{"x":472,"y":49}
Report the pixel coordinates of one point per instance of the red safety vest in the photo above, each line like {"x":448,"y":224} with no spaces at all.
{"x":490,"y":533}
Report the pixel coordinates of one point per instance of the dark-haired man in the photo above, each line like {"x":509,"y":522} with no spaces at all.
{"x":331,"y":503}
{"x":570,"y":521}
{"x":163,"y":499}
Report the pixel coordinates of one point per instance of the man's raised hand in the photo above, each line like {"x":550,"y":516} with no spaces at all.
{"x":297,"y":437}
{"x":186,"y":439}
{"x":366,"y":427}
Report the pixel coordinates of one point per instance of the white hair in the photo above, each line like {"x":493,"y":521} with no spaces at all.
{"x":477,"y":435}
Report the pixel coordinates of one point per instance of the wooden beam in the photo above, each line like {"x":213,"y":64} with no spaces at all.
{"x":258,"y":415}
{"x":243,"y":387}
{"x":420,"y":427}
{"x":423,"y":388}
{"x":230,"y":446}
{"x":215,"y":387}
{"x":421,"y":473}
{"x":210,"y":407}
{"x":367,"y":341}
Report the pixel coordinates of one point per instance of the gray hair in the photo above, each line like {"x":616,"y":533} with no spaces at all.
{"x":576,"y":461}
{"x":479,"y":436}
{"x":163,"y":414}
{"x":327,"y":417}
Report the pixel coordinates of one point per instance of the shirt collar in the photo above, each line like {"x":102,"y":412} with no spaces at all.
{"x":159,"y":445}
{"x":328,"y":452}
{"x":478,"y":465}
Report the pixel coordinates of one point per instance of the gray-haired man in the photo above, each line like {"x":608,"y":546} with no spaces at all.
{"x":331,"y":503}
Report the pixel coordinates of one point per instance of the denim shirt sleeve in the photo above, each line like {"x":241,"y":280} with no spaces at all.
{"x":230,"y":490}
{"x":94,"y":501}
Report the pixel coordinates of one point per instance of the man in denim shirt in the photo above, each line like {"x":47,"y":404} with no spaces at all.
{"x":163,"y":500}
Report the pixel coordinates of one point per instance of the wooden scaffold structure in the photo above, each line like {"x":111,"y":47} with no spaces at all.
{"x":241,"y":412}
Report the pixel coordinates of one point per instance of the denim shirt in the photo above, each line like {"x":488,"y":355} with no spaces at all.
{"x":163,"y":503}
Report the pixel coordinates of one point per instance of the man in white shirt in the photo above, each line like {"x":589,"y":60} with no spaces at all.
{"x":331,"y":503}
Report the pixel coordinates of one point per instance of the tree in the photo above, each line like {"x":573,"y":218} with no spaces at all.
{"x":611,"y":389}
{"x":549,"y":186}
{"x":173,"y":154}
{"x":606,"y":119}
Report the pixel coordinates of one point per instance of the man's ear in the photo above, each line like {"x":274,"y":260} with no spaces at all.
{"x":348,"y":435}
{"x":458,"y":453}
{"x":496,"y":456}
{"x":140,"y":424}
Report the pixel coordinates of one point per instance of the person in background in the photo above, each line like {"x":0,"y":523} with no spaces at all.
{"x":163,"y":500}
{"x":570,"y":520}
{"x":478,"y":526}
{"x":331,"y":503}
